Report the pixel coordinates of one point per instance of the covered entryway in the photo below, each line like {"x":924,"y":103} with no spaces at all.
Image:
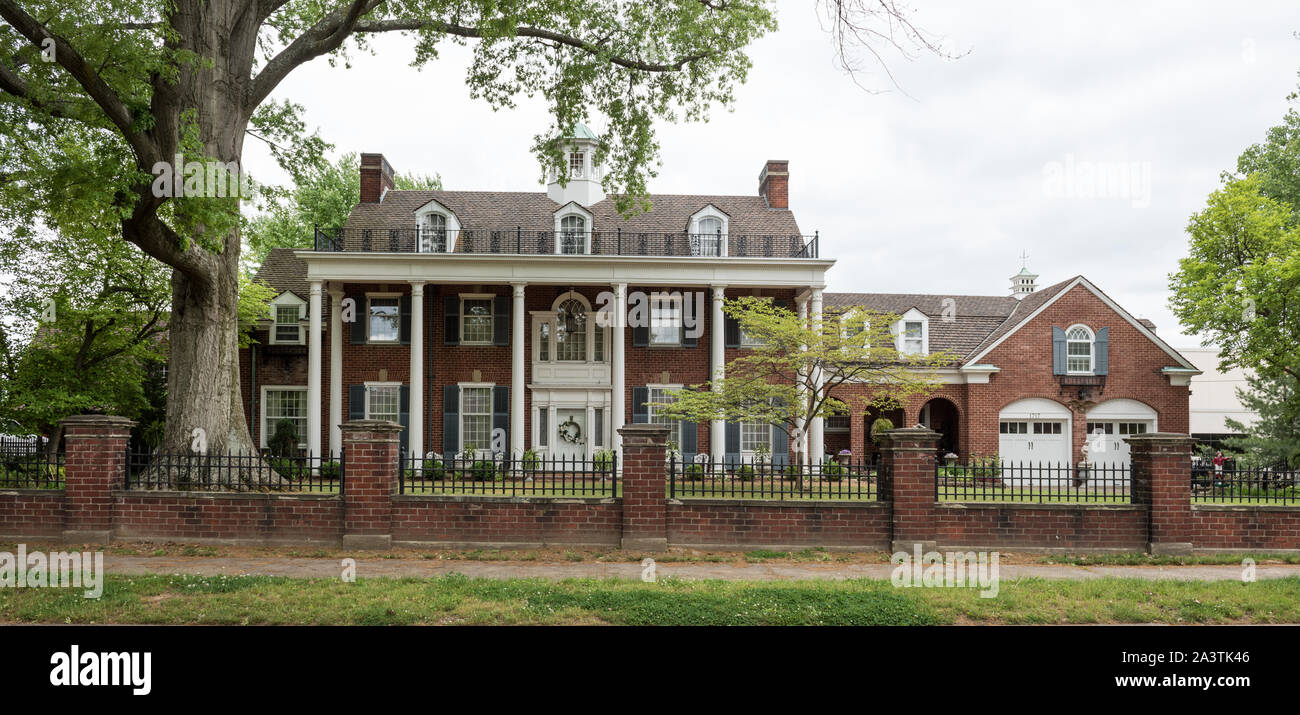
{"x":940,"y":415}
{"x":1034,"y":431}
{"x":1110,"y":423}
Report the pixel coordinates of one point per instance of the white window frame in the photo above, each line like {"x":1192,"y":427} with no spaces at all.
{"x":263,"y":432}
{"x":581,"y":155}
{"x":397,"y":413}
{"x":370,"y":338}
{"x":489,"y":297}
{"x":746,"y":341}
{"x":750,"y":452}
{"x":482,"y":449}
{"x":1092,"y":349}
{"x":674,"y":426}
{"x":452,"y":223}
{"x":568,"y":210}
{"x":664,"y":298}
{"x":900,"y":332}
{"x":710,"y":211}
{"x":288,"y":300}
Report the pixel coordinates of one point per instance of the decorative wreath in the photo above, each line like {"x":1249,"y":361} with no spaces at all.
{"x":570,"y":431}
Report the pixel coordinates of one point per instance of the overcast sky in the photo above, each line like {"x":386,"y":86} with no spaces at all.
{"x":939,"y":187}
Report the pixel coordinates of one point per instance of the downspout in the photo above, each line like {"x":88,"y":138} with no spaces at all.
{"x":252,"y":392}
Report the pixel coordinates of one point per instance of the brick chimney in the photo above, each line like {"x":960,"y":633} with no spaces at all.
{"x":376,"y":178}
{"x":774,"y":183}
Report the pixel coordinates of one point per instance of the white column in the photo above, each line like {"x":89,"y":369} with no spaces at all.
{"x":336,"y":371}
{"x":802,"y":304}
{"x":415,"y":418}
{"x":313,"y":372}
{"x":616,"y":401}
{"x":517,"y":371}
{"x":816,"y":443}
{"x":718,"y":345}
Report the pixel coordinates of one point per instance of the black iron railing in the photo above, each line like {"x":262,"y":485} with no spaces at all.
{"x":521,"y":241}
{"x":1245,"y":485}
{"x":174,"y":471}
{"x":529,"y":475}
{"x":735,"y":478}
{"x":995,"y":481}
{"x":31,"y":469}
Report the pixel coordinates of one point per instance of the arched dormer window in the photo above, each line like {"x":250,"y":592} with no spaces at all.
{"x":1079,"y":350}
{"x":708,"y":232}
{"x":572,"y":230}
{"x":436,"y":229}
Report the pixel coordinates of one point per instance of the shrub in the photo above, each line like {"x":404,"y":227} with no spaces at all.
{"x":832,"y":471}
{"x":694,"y":472}
{"x":483,"y":471}
{"x":433,"y":469}
{"x":790,"y":472}
{"x":288,"y":468}
{"x":330,"y":470}
{"x":745,"y":473}
{"x":880,"y":425}
{"x":604,"y":460}
{"x":531,"y":461}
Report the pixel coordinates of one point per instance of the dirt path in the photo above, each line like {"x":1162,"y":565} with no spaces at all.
{"x":421,"y":568}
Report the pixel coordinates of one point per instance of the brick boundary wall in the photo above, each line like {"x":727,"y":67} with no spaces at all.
{"x":95,"y":508}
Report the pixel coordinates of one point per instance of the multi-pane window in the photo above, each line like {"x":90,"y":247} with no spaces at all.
{"x":382,"y":402}
{"x":1013,"y":428}
{"x":1047,"y":428}
{"x":598,"y":344}
{"x":1078,"y":350}
{"x":433,"y":234}
{"x":577,"y":164}
{"x":1132,"y":428}
{"x":385,"y":319}
{"x":476,"y":321}
{"x":913,"y":337}
{"x":543,"y":431}
{"x":476,"y":417}
{"x":286,"y":404}
{"x":754,"y":435}
{"x":1102,"y":427}
{"x":708,"y":239}
{"x":544,"y":342}
{"x":837,"y":423}
{"x":573,"y":235}
{"x":665,"y":320}
{"x":287,"y":327}
{"x":571,"y":342}
{"x":598,"y":427}
{"x":659,"y":396}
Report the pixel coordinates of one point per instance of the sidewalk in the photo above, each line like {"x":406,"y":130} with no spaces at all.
{"x":379,"y":567}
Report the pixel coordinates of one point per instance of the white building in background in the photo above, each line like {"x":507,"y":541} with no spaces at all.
{"x":1214,"y":396}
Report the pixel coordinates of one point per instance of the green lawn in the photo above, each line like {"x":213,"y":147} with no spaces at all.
{"x":458,"y":600}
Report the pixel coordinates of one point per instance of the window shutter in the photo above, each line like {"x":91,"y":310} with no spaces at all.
{"x":360,"y":321}
{"x":404,"y":324}
{"x":640,"y":396}
{"x":732,"y":447}
{"x":501,"y":320}
{"x":1058,"y":351}
{"x":690,"y":439}
{"x":450,"y":420}
{"x":1101,"y":346}
{"x":687,"y":340}
{"x":640,"y":336}
{"x":356,"y":402}
{"x":404,"y":419}
{"x":731,"y":330}
{"x":451,"y":320}
{"x":501,"y":413}
{"x":780,"y":442}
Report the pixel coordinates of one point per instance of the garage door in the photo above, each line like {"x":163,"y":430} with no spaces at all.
{"x":1110,"y":423}
{"x":1034,"y":431}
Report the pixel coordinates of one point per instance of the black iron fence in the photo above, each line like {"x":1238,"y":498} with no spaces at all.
{"x":31,"y":470}
{"x":521,"y":241}
{"x":1245,"y":485}
{"x":762,"y":479}
{"x":511,"y":476}
{"x":175,"y":471}
{"x":997,"y":481}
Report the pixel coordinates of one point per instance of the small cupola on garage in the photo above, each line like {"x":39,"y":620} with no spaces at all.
{"x":1023,"y":283}
{"x":584,"y":174}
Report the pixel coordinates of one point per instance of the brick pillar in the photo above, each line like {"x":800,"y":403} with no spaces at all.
{"x":907,"y":485}
{"x":369,"y":482}
{"x":1161,"y":472}
{"x":857,"y":435}
{"x":645,"y":525}
{"x":95,"y":465}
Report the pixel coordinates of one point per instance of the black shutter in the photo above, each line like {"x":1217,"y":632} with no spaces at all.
{"x":451,"y":320}
{"x":501,"y":320}
{"x":731,"y":330}
{"x":501,"y":414}
{"x":359,"y":322}
{"x":687,"y":340}
{"x":1058,"y":351}
{"x":356,"y":402}
{"x":640,"y":336}
{"x":404,"y":419}
{"x":780,"y":442}
{"x":640,"y":396}
{"x":1101,"y":346}
{"x":450,"y":420}
{"x":404,"y":326}
{"x":731,"y":451}
{"x":690,"y":439}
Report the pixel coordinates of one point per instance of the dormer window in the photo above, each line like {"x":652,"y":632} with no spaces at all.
{"x":912,"y":333}
{"x":1078,"y":350}
{"x":436,"y":228}
{"x":913,"y":342}
{"x":708,"y":232}
{"x":287,"y":314}
{"x":572,"y":230}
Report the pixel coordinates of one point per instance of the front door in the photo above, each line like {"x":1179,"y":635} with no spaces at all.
{"x":571,"y":436}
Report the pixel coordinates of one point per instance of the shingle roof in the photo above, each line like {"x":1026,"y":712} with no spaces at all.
{"x":1024,"y":307}
{"x":535,"y":211}
{"x":284,"y":271}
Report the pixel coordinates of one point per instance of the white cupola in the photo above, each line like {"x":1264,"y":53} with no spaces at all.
{"x":584,"y":175}
{"x":1023,"y":283}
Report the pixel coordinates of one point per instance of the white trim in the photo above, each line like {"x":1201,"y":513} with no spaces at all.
{"x":1092,"y":349}
{"x":365,"y":404}
{"x":453,"y":223}
{"x":261,"y":408}
{"x":287,"y":299}
{"x":573,"y":208}
{"x":663,"y":298}
{"x":900,"y":334}
{"x":490,"y":298}
{"x":711,"y":211}
{"x":1182,"y":361}
{"x":649,"y":414}
{"x":395,"y":341}
{"x":460,"y":414}
{"x":1122,"y":409}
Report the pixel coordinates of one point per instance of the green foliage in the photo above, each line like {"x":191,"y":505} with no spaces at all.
{"x":745,"y":473}
{"x":879,"y":427}
{"x":1274,"y":438}
{"x":330,"y":470}
{"x":694,"y":472}
{"x":832,"y":471}
{"x":604,"y":460}
{"x":531,"y":461}
{"x":283,"y":441}
{"x":483,"y":471}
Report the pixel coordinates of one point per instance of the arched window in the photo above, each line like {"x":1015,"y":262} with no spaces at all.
{"x":573,"y":235}
{"x":1078,"y":350}
{"x":433,"y":233}
{"x":571,"y":331}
